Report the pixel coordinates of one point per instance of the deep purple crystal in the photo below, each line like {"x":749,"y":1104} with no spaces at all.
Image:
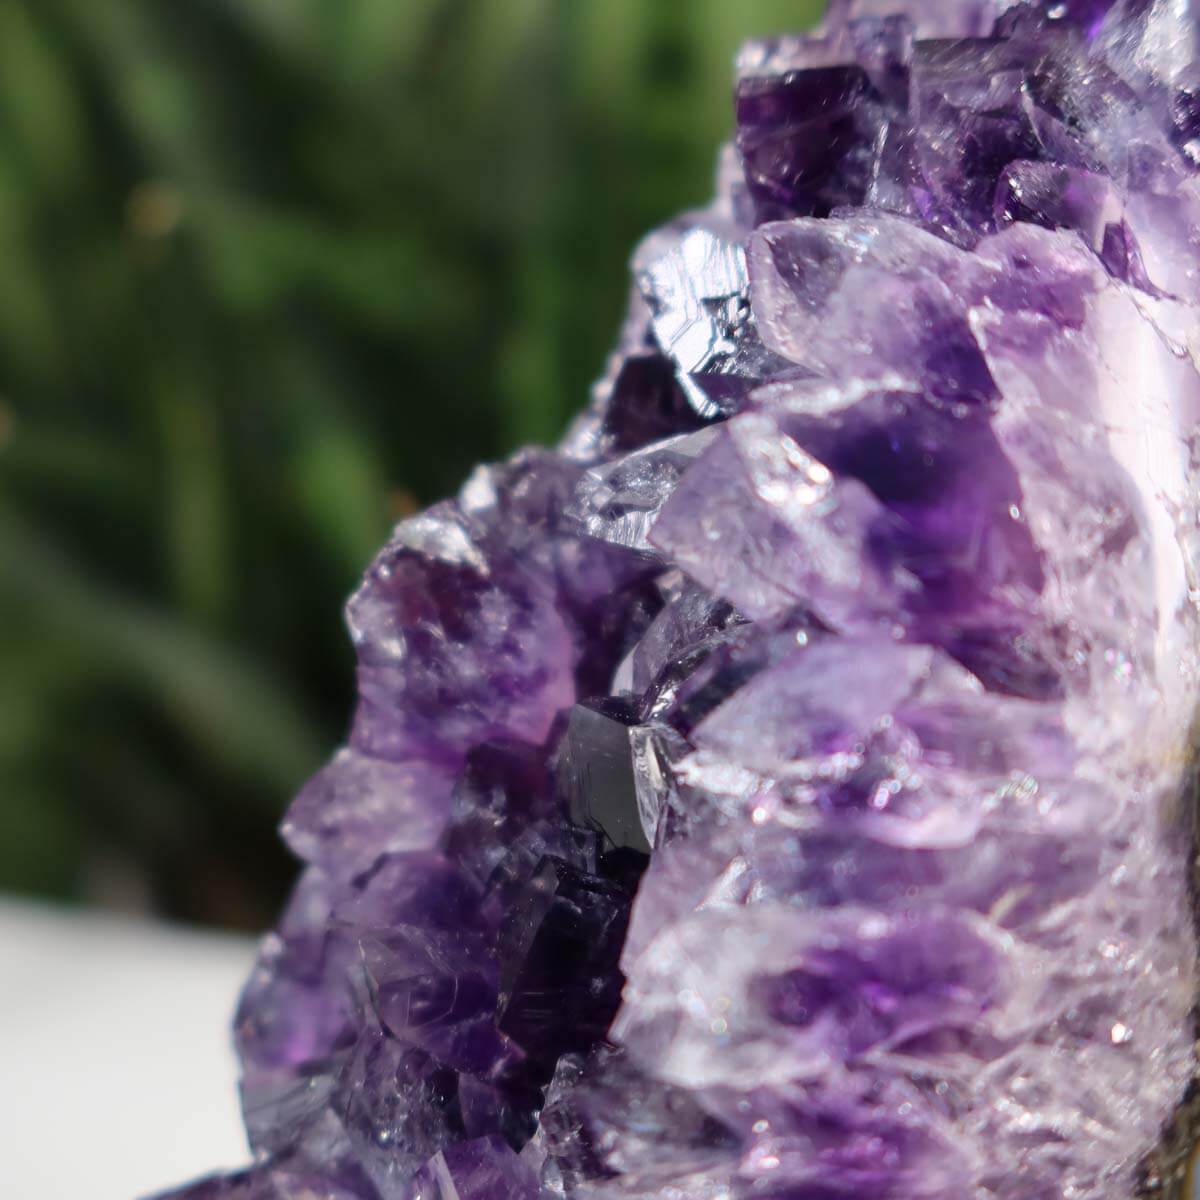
{"x":779,"y":790}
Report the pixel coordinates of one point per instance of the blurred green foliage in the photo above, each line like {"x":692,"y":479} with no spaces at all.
{"x":272,"y":272}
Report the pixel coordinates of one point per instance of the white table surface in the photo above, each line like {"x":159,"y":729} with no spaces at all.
{"x":118,"y":1074}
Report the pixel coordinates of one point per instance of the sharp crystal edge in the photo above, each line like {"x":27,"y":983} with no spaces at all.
{"x":781,"y":789}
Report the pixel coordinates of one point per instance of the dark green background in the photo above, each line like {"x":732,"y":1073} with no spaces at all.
{"x":273,"y":272}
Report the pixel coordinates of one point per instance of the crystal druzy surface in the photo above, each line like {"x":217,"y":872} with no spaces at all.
{"x":777,"y":790}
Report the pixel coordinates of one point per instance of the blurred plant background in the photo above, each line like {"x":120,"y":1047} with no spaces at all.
{"x":272,"y":274}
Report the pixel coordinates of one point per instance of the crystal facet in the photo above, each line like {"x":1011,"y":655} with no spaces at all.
{"x":780,"y":790}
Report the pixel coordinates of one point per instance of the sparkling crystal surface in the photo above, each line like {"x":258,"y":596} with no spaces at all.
{"x":780,"y":789}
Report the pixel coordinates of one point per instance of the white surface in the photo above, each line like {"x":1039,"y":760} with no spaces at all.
{"x":117,"y":1077}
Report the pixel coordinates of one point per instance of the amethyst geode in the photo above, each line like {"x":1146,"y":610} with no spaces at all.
{"x":780,"y":789}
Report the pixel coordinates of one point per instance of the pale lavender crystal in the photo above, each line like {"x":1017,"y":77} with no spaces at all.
{"x":780,"y":790}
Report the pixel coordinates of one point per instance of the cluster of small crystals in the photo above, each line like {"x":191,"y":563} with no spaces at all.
{"x":775,"y":791}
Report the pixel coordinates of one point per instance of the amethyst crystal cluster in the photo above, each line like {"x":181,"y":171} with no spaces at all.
{"x":778,"y":790}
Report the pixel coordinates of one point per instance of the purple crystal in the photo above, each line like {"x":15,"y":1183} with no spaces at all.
{"x":485,"y":1169}
{"x":778,"y":790}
